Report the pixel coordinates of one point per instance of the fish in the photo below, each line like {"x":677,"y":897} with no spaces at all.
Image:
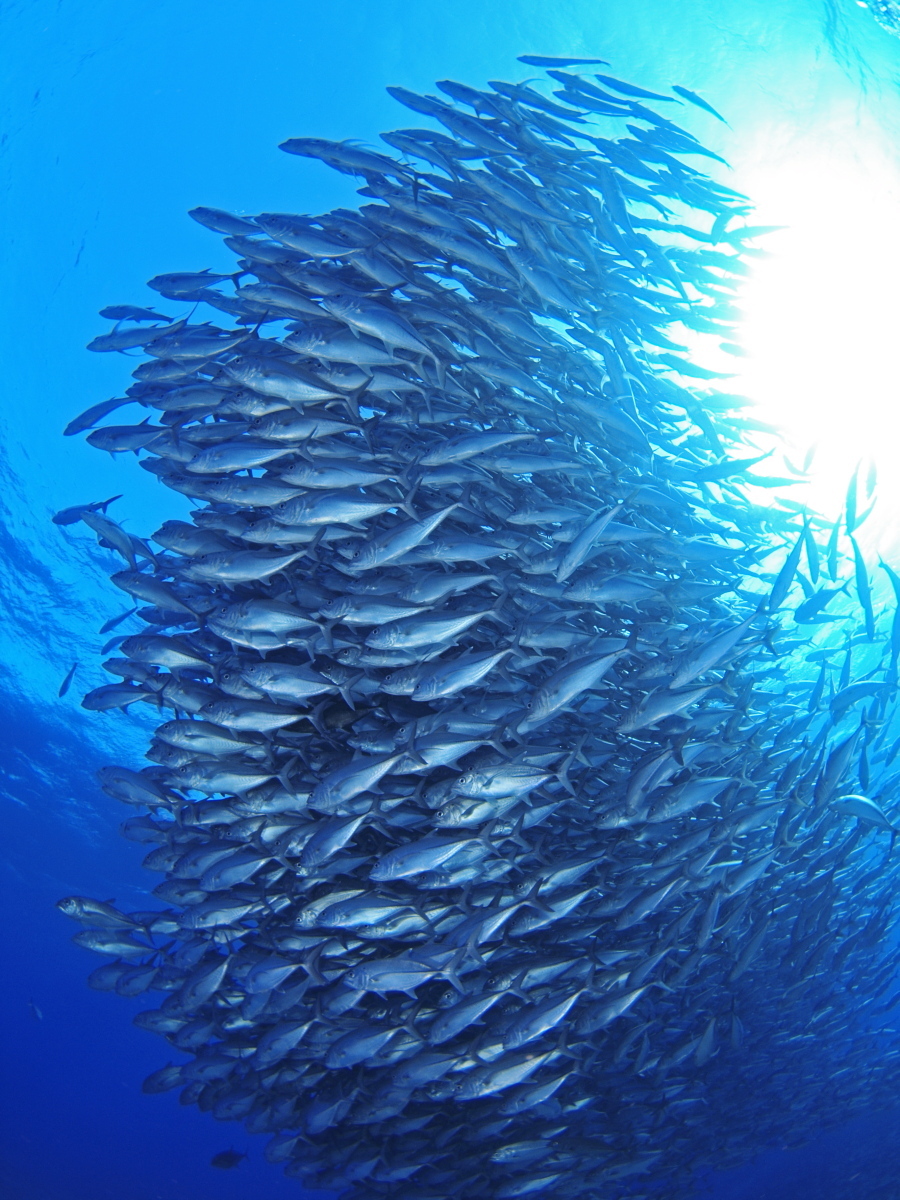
{"x":67,"y":682}
{"x":813,"y":605}
{"x":94,"y":414}
{"x":785,"y":576}
{"x":693,"y":98}
{"x":227,"y":1160}
{"x":521,"y":823}
{"x":186,"y":284}
{"x":629,"y":89}
{"x":863,"y":588}
{"x":75,"y":513}
{"x":863,"y":809}
{"x":128,"y":312}
{"x":541,"y":60}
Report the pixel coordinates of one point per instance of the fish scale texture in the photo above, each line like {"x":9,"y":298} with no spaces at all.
{"x":480,"y":788}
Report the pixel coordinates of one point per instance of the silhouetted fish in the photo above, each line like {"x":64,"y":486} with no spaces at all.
{"x":227,"y":1160}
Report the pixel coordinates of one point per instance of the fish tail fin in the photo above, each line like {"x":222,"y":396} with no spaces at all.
{"x":577,"y":752}
{"x":510,"y":733}
{"x":452,"y":968}
{"x":406,"y":505}
{"x":311,"y":965}
{"x":472,"y":951}
{"x":314,"y":716}
{"x":535,"y":901}
{"x":408,"y":1025}
{"x":590,"y":987}
{"x":515,"y":988}
{"x":439,"y":369}
{"x":516,"y":835}
{"x":562,"y":775}
{"x":678,"y":748}
{"x":352,"y":399}
{"x":283,"y":776}
{"x":562,"y":1046}
{"x":311,"y":551}
{"x":503,"y":671}
{"x":725,"y":684}
{"x":537,"y":850}
{"x":497,"y":744}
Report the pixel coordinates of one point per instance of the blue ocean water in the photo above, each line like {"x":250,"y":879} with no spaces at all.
{"x":116,"y":121}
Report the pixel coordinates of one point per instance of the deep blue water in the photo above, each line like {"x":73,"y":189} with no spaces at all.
{"x":116,"y":120}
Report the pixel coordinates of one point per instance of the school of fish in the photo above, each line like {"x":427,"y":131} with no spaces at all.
{"x":522,"y":787}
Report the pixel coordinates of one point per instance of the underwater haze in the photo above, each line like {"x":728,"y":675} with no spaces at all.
{"x":117,"y":122}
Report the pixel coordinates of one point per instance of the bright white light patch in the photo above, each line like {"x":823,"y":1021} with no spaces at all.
{"x":821,"y":324}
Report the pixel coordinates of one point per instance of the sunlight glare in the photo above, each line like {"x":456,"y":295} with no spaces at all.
{"x":821,"y":321}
